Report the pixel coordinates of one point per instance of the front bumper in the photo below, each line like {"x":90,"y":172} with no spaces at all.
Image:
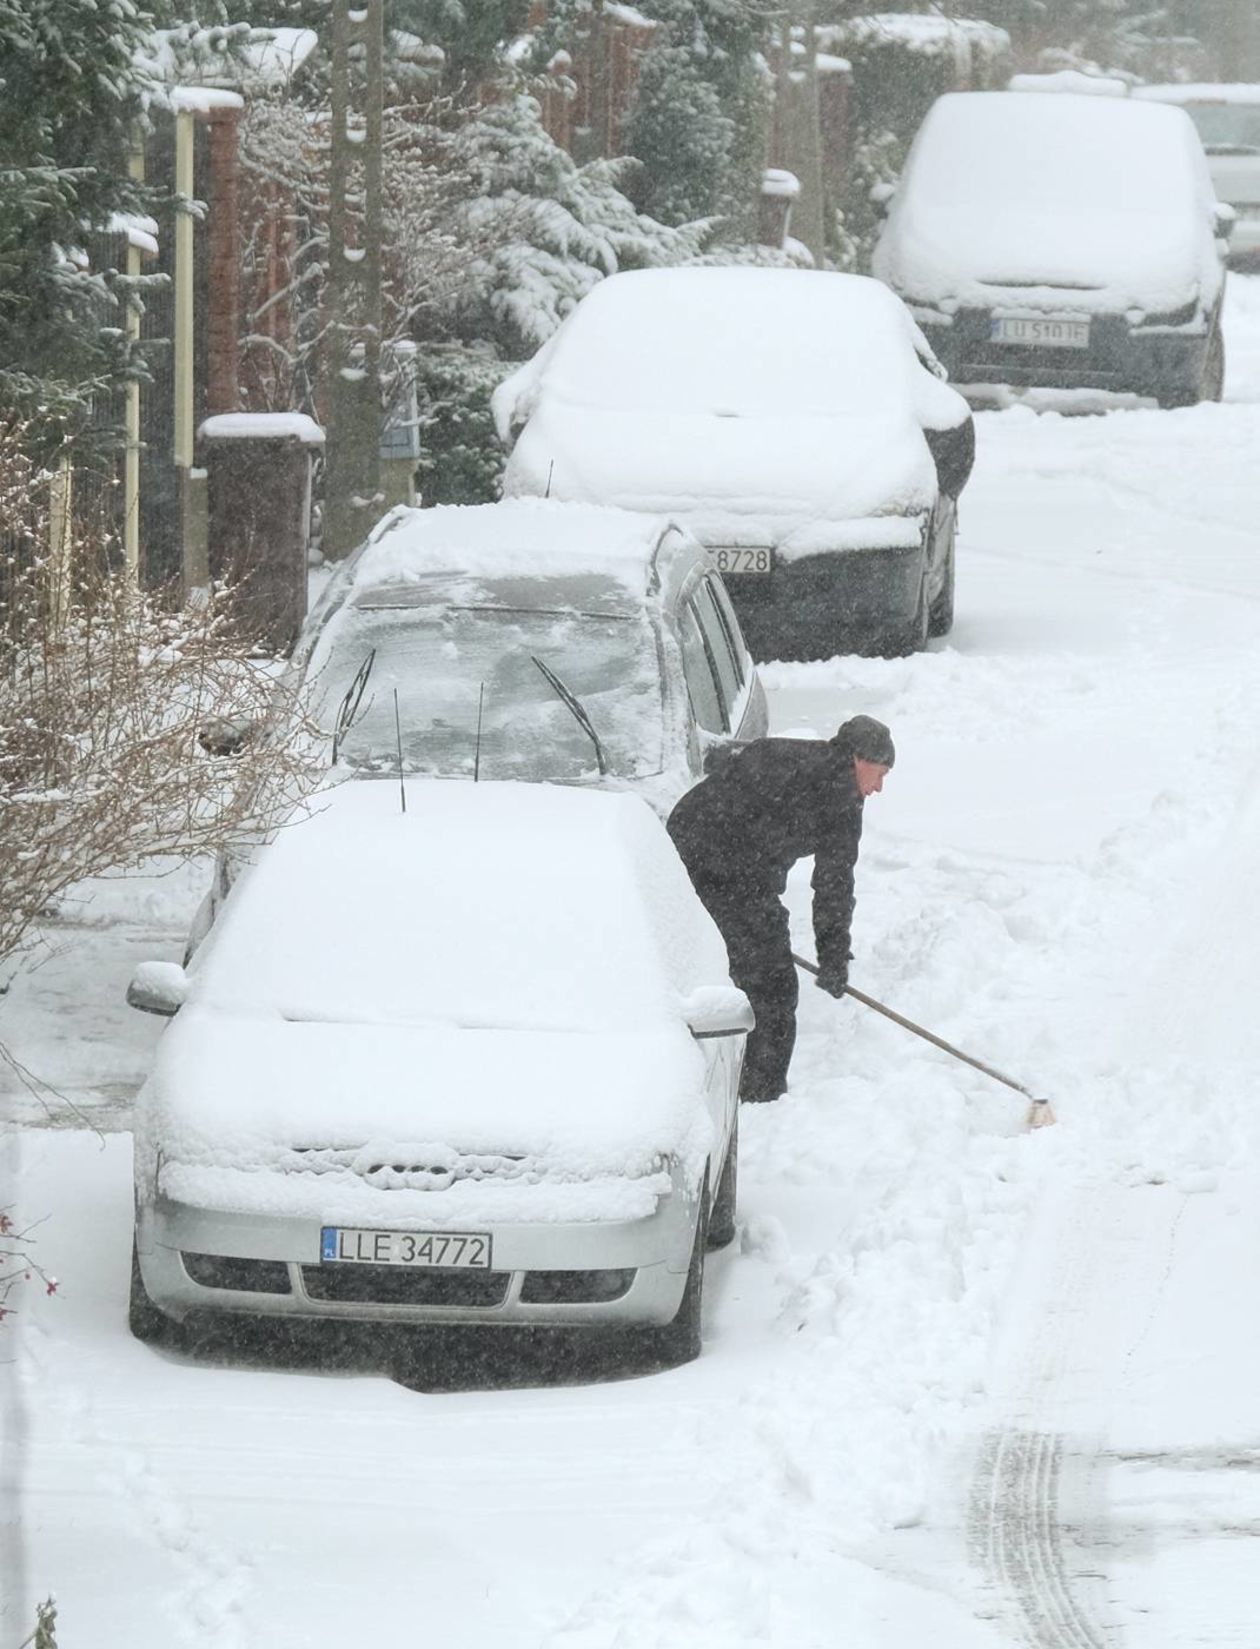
{"x":1138,"y":361}
{"x":833,"y":602}
{"x":277,"y":1259}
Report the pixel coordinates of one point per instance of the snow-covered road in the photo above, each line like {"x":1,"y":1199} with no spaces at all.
{"x":959,"y":1380}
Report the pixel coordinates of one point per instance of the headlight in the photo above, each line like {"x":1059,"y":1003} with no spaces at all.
{"x":1171,"y":317}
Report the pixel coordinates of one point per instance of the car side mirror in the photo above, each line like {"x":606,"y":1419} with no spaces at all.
{"x":158,"y":987}
{"x":717,"y":1010}
{"x":222,"y":737}
{"x":1224,"y":218}
{"x":954,"y":453}
{"x":881,"y":197}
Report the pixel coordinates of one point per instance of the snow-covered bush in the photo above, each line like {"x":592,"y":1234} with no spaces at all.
{"x":545,"y":230}
{"x":901,"y":63}
{"x":461,"y":458}
{"x":104,"y":696}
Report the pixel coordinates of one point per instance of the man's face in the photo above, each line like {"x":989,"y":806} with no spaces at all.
{"x":870,"y":776}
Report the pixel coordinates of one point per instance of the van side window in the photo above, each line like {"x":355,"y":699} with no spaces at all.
{"x":702,"y":686}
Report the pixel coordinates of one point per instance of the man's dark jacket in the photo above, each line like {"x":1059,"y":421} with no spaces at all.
{"x":742,"y":828}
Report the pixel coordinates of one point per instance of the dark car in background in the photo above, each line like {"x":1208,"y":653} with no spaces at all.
{"x":795,"y":421}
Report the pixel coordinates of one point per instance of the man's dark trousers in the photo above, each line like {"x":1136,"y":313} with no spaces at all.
{"x":754,"y":923}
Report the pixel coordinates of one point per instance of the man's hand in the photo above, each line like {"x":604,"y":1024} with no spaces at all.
{"x":834,"y":980}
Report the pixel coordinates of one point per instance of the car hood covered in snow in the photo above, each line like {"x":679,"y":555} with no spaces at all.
{"x":1069,"y":259}
{"x":322,"y":1119}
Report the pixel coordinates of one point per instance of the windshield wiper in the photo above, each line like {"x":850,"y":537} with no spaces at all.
{"x":348,"y":709}
{"x":576,"y":709}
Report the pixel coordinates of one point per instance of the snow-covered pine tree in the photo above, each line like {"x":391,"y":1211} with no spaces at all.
{"x":548,"y":229}
{"x":470,"y":32}
{"x":698,"y":125}
{"x":70,"y":91}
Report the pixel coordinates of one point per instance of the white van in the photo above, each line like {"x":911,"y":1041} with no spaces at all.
{"x":1227,"y":118}
{"x":1062,"y":241}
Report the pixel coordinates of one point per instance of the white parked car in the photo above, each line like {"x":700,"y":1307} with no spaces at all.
{"x":523,"y":640}
{"x":795,"y":421}
{"x":473,"y":1062}
{"x":531,"y":640}
{"x":1063,"y":241}
{"x":1227,"y":119}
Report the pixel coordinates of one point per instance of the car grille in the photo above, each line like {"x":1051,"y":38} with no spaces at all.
{"x":574,"y":1287}
{"x":404,"y":1285}
{"x":408,"y":1167}
{"x":247,"y":1276}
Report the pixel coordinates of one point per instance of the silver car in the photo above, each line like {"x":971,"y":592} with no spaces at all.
{"x":471,"y":1060}
{"x":524,"y":640}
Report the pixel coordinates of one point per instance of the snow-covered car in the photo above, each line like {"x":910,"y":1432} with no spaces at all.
{"x":475,"y":1061}
{"x":531,"y":640}
{"x":1227,"y":119}
{"x":1062,"y":241}
{"x":523,"y":640}
{"x":795,"y":421}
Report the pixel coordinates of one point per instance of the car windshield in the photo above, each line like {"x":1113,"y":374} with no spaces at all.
{"x":1227,"y":128}
{"x":450,"y":665}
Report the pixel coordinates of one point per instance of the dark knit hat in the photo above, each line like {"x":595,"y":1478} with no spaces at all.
{"x":867,"y":738}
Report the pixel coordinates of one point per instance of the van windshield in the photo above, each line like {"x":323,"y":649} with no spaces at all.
{"x":1022,"y":153}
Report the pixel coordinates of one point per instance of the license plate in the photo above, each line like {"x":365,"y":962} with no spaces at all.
{"x":444,"y":1250}
{"x":744,"y":561}
{"x":1045,"y":334}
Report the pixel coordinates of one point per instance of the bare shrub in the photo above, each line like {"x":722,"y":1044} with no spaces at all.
{"x":105,"y":694}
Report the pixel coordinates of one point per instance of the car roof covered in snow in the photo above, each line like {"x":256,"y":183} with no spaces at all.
{"x":1204,"y":91}
{"x":492,"y":905}
{"x":525,"y":537}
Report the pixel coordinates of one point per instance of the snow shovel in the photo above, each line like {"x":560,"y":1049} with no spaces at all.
{"x":1040,"y":1114}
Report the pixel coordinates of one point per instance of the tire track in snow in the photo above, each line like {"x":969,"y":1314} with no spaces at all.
{"x":1018,"y":1538}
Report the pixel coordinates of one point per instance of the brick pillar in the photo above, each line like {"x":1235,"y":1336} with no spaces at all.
{"x":223,"y":251}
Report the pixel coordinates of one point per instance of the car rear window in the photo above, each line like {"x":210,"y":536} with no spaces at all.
{"x":452,"y":666}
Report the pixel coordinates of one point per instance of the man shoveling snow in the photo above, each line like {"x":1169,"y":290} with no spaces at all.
{"x":740,"y":831}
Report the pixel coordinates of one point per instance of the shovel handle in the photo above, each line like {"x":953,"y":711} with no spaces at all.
{"x":928,"y":1036}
